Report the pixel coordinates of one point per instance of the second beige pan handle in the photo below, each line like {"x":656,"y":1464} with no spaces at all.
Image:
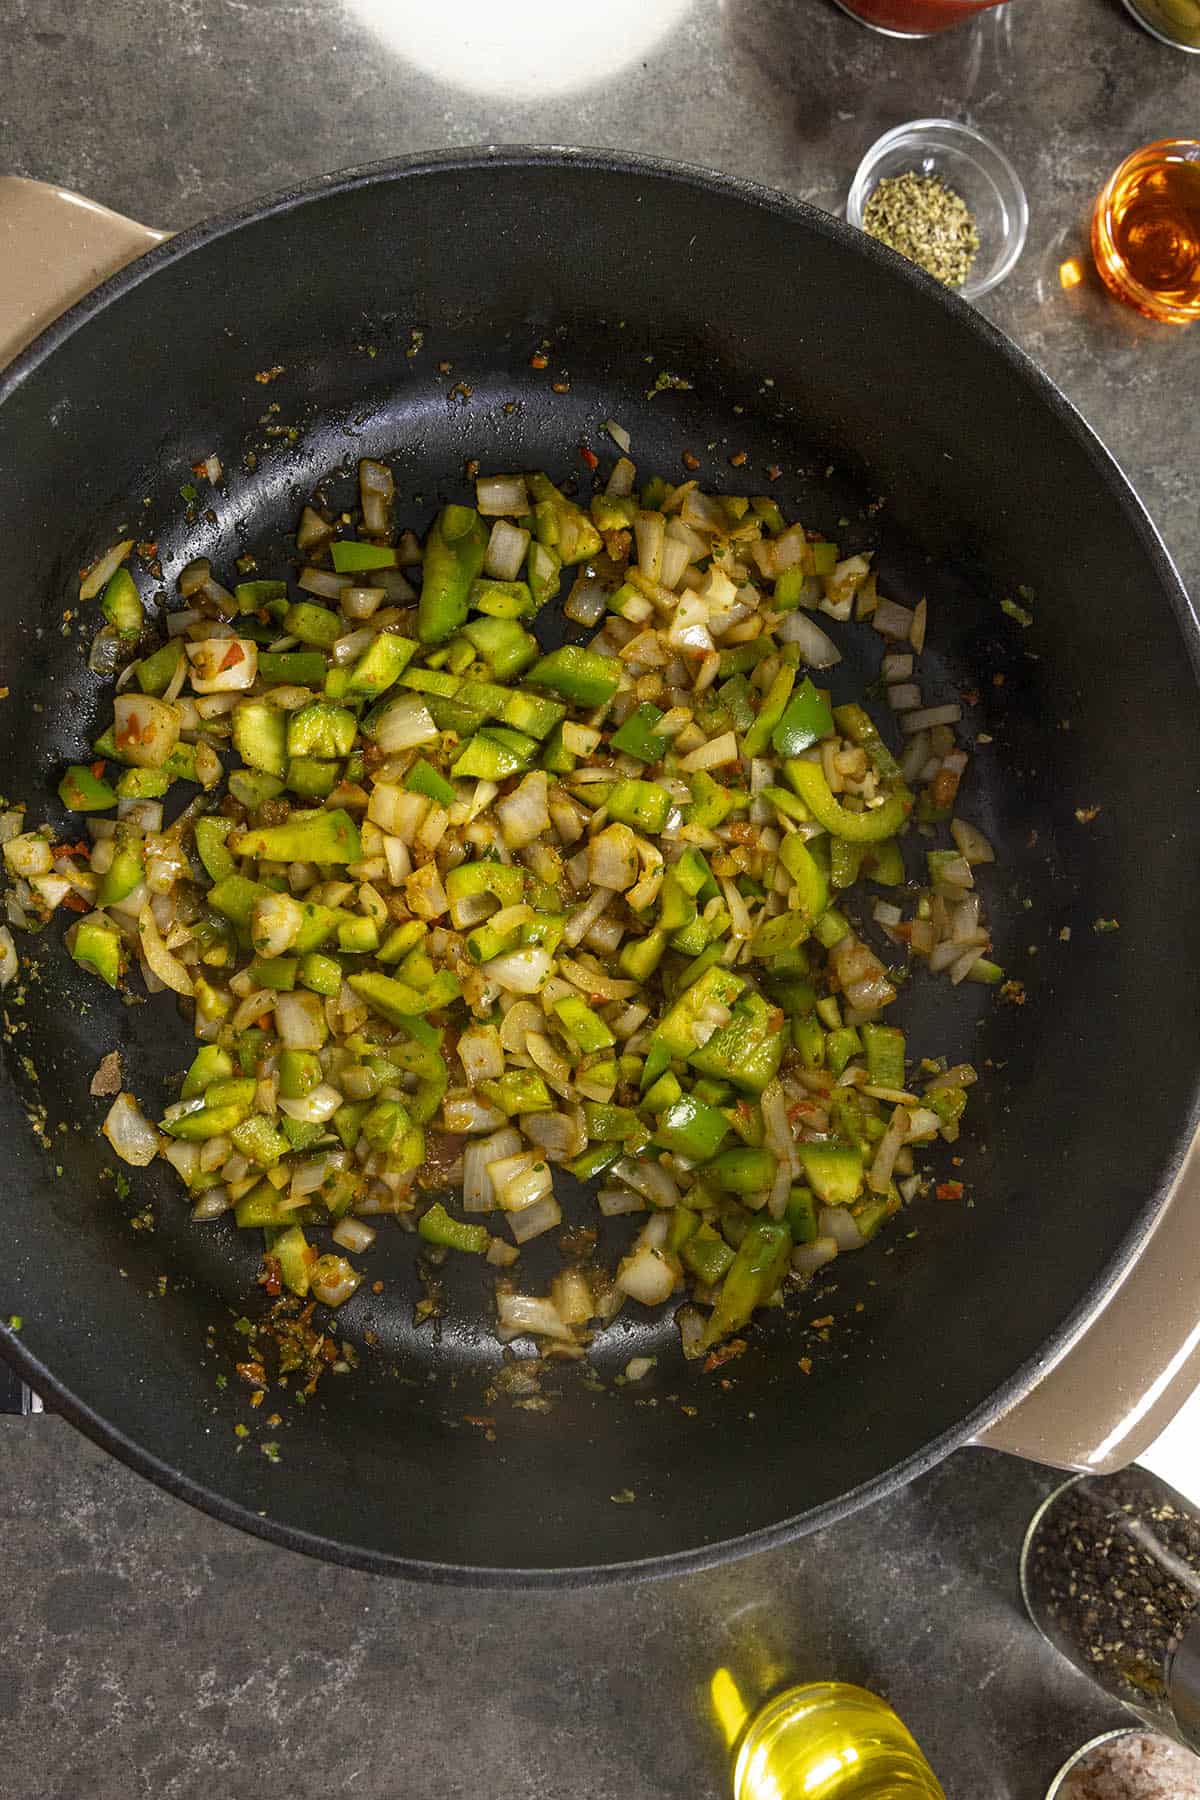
{"x":1104,"y":1402}
{"x":55,"y":247}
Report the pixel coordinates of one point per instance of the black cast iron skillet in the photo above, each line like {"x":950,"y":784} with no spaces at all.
{"x":902,"y":421}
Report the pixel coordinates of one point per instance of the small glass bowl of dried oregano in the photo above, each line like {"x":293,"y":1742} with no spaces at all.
{"x":944,"y":196}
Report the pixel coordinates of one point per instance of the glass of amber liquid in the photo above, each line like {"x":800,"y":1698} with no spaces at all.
{"x":913,"y":18}
{"x":1146,"y":231}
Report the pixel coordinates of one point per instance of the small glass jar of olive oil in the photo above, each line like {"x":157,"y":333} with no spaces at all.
{"x":829,"y":1740}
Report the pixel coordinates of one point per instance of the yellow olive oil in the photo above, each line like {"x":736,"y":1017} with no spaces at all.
{"x":828,"y":1740}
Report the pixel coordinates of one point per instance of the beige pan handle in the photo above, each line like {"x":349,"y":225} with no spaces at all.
{"x":1121,"y":1382}
{"x":55,"y":247}
{"x":1107,"y":1400}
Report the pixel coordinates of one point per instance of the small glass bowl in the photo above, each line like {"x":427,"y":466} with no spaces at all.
{"x":1086,"y":1751}
{"x":971,"y":165}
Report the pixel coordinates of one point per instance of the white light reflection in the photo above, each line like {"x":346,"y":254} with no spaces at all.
{"x":520,"y":49}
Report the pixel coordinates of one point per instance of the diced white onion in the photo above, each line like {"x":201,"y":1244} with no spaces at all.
{"x":499,"y":495}
{"x":353,"y":1234}
{"x":927,"y":717}
{"x":837,"y":1223}
{"x":647,"y":1275}
{"x":972,"y":844}
{"x":313,"y":1108}
{"x":300,"y":1021}
{"x":816,"y":648}
{"x":520,"y":971}
{"x":479,"y":1194}
{"x":808,"y":1258}
{"x":506,"y":551}
{"x":523,"y":1314}
{"x":221,"y":665}
{"x":102,"y":571}
{"x":403,"y":724}
{"x":130,"y":1133}
{"x":168,"y":968}
{"x":531,"y":1221}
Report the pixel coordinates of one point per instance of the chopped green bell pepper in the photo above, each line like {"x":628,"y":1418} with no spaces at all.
{"x":394,"y":1000}
{"x":275,"y":972}
{"x":454,"y":553}
{"x":81,"y":791}
{"x":707,"y":1255}
{"x":320,"y":837}
{"x":639,"y":957}
{"x":349,"y":556}
{"x":676,"y":1030}
{"x":519,"y":1091}
{"x":501,"y":599}
{"x":437,"y":1227}
{"x":749,"y":1170}
{"x":209,"y":1064}
{"x":121,"y":605}
{"x":754,"y":1274}
{"x":948,"y":1103}
{"x":586,"y":1029}
{"x":635,"y":737}
{"x":595,"y":1160}
{"x":583,"y":677}
{"x":562,"y":527}
{"x":691,"y":1129}
{"x":258,"y":1139}
{"x":253,"y":787}
{"x":711,"y":804}
{"x":260,"y":736}
{"x":834,"y":1172}
{"x":385,"y":1126}
{"x":503,"y":644}
{"x":143,"y":784}
{"x":154,"y":672}
{"x":841,"y":1044}
{"x":292,"y":668}
{"x":211,"y":834}
{"x":489,"y":757}
{"x":294,"y":1254}
{"x":643,"y":805}
{"x":801,"y":1215}
{"x":97,"y":947}
{"x":314,"y":625}
{"x":805,"y":720}
{"x":320,"y":974}
{"x":857,"y":724}
{"x":770,"y":712}
{"x":256,"y":596}
{"x":423,"y":778}
{"x":884,"y":863}
{"x":747,"y":1051}
{"x":311,"y":779}
{"x":299,"y":1073}
{"x":808,"y":779}
{"x":885,"y":1055}
{"x":321,"y":730}
{"x":381,"y":663}
{"x":812,"y":889}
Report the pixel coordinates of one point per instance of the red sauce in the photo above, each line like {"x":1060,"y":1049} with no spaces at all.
{"x":916,"y":15}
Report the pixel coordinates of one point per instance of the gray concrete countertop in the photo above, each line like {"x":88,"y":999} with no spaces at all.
{"x":148,"y":1651}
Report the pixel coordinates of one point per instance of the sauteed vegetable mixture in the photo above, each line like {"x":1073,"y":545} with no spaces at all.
{"x":455,"y":915}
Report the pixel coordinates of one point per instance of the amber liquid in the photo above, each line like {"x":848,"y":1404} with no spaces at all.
{"x":1154,"y":236}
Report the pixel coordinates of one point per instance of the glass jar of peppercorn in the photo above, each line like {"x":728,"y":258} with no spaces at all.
{"x":1110,"y":1574}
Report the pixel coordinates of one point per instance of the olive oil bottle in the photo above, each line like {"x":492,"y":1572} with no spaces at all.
{"x":828,"y":1740}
